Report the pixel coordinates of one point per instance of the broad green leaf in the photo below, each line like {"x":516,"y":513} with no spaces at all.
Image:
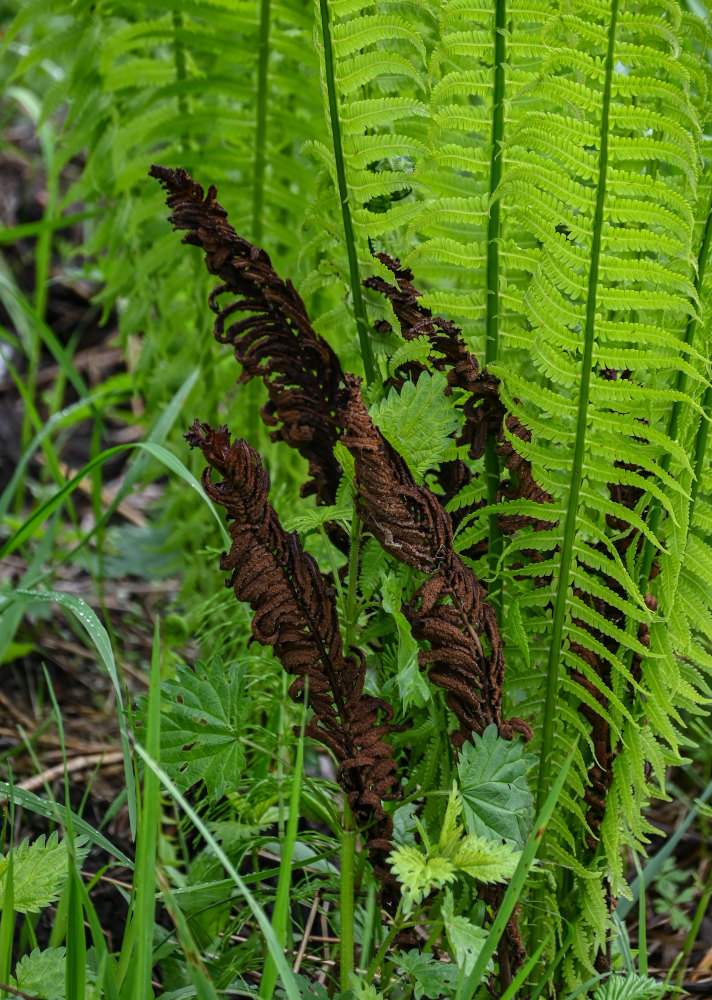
{"x":433,"y":979}
{"x":201,"y":731}
{"x":465,"y":938}
{"x":495,"y":793}
{"x":40,"y":871}
{"x":629,"y":988}
{"x":419,"y":422}
{"x":41,"y":974}
{"x":419,"y":874}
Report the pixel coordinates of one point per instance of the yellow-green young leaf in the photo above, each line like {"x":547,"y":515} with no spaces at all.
{"x":419,"y":422}
{"x":40,"y":871}
{"x":202,"y":730}
{"x":452,"y":832}
{"x":419,"y":874}
{"x":486,"y":860}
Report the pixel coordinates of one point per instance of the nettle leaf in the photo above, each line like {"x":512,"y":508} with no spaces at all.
{"x":41,"y":974}
{"x":201,"y":733}
{"x":433,"y":979}
{"x":419,"y":422}
{"x":495,"y":793}
{"x":465,"y":938}
{"x":419,"y":873}
{"x":629,"y":988}
{"x":40,"y":871}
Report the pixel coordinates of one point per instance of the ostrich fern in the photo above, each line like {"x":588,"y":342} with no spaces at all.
{"x":544,"y":169}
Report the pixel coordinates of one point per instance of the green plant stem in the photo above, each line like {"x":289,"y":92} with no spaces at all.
{"x":689,"y":944}
{"x":280,"y":915}
{"x":562,"y":586}
{"x":495,"y":540}
{"x":359,"y":305}
{"x":398,"y":924}
{"x":346,"y":898}
{"x":350,"y":611}
{"x":258,"y":184}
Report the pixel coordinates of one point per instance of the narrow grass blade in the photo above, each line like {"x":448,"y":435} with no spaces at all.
{"x":7,"y":914}
{"x":204,"y":989}
{"x":40,"y":515}
{"x":282,"y":901}
{"x":518,"y":879}
{"x":290,"y":987}
{"x":87,"y":618}
{"x":76,"y":954}
{"x":511,"y":992}
{"x":57,"y":812}
{"x":27,"y":229}
{"x":144,"y":913}
{"x":64,"y":418}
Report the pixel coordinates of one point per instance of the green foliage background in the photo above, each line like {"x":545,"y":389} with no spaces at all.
{"x":544,"y":168}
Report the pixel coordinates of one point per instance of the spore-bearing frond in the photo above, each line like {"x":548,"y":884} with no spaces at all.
{"x":269,"y":330}
{"x":466,"y":655}
{"x":294,"y":611}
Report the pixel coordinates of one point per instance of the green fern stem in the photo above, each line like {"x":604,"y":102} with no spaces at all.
{"x":351,"y":615}
{"x":562,"y":587}
{"x":258,"y":186}
{"x":346,"y":898}
{"x":648,"y":552}
{"x":359,"y":305}
{"x":493,"y":233}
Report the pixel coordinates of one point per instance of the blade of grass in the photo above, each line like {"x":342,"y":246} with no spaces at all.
{"x":28,"y":229}
{"x":144,"y":912}
{"x":57,"y":812}
{"x":282,"y":900}
{"x":40,"y":515}
{"x":75,"y":959}
{"x":204,"y":989}
{"x":136,"y":470}
{"x":58,"y":421}
{"x":88,"y":620}
{"x":285,"y":973}
{"x":7,"y":914}
{"x":518,"y":880}
{"x":521,"y":976}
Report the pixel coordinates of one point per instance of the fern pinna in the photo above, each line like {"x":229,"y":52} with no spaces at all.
{"x":578,"y":467}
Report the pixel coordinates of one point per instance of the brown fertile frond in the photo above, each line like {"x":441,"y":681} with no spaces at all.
{"x":483,"y":410}
{"x":450,"y":610}
{"x":269,"y":329}
{"x":294,"y":611}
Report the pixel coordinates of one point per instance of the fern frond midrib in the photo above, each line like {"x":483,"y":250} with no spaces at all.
{"x":562,"y":590}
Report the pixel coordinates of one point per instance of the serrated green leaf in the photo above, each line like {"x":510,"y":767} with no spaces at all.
{"x":201,"y":732}
{"x":629,"y":988}
{"x":495,"y":794}
{"x":433,"y":979}
{"x":419,"y":874}
{"x":40,"y":871}
{"x":41,"y":974}
{"x":419,"y":422}
{"x":465,"y":938}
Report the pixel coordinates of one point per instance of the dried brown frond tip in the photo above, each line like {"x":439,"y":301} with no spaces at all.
{"x":450,"y":610}
{"x":294,"y":611}
{"x":268,"y":327}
